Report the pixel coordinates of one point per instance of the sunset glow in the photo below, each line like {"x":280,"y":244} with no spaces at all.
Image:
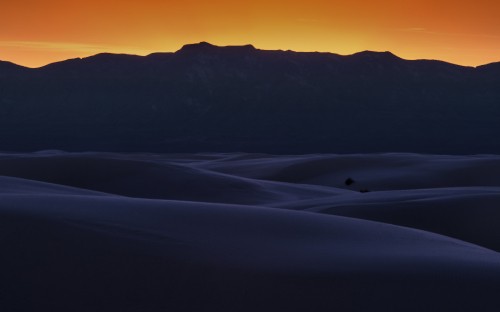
{"x":34,"y":32}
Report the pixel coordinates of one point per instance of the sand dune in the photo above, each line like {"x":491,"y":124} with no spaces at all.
{"x":246,"y":232}
{"x":152,"y":179}
{"x":375,"y":171}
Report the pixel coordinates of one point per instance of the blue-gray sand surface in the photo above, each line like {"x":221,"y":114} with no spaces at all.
{"x":249,"y":232}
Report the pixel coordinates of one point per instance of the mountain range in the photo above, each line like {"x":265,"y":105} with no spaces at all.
{"x":239,"y":98}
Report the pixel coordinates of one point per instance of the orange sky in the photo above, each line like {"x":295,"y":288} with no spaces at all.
{"x":37,"y":32}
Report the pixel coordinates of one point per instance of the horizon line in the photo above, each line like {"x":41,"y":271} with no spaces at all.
{"x":243,"y":45}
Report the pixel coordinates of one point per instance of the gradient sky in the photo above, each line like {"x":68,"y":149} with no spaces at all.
{"x":36,"y":32}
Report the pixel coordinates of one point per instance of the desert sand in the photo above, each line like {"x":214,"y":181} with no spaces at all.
{"x":249,"y":232}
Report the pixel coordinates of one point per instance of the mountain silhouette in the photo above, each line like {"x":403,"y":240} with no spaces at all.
{"x":239,"y":98}
{"x":8,"y":69}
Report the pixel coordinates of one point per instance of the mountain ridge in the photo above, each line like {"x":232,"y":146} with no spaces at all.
{"x":208,"y":47}
{"x":209,"y":98}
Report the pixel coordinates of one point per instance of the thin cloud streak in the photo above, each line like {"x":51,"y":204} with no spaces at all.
{"x":67,"y":47}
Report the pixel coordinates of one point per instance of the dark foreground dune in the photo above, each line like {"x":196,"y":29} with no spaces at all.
{"x":247,"y":232}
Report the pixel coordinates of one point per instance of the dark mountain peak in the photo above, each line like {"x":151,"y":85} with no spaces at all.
{"x":205,"y":47}
{"x":244,"y":48}
{"x":199,"y":45}
{"x":9,"y":67}
{"x":104,"y":55}
{"x":101,"y":62}
{"x":376,"y":56}
{"x":62,"y":64}
{"x":491,"y":71}
{"x":159,"y":55}
{"x":110,"y":58}
{"x":491,"y":66}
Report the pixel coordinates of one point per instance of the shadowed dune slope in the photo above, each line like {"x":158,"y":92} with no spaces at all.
{"x":373,"y":171}
{"x":151,"y":179}
{"x":242,"y":232}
